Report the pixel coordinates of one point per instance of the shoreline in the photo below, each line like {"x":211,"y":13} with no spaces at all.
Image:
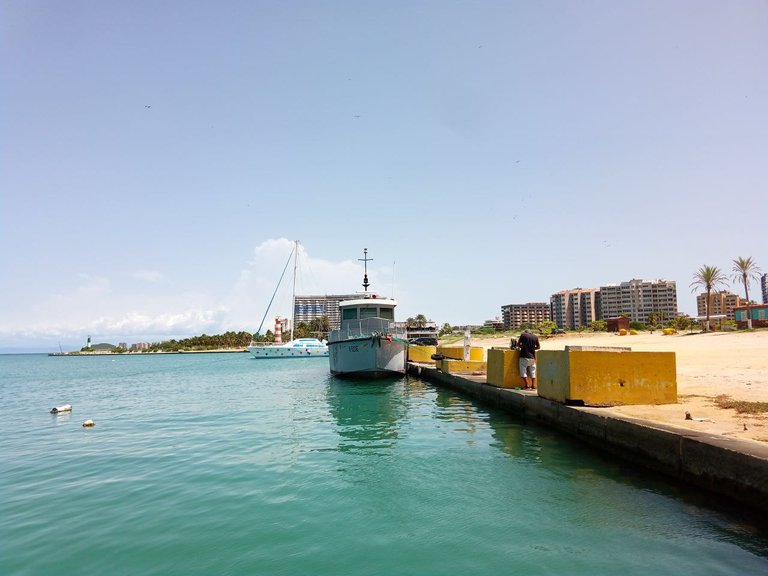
{"x":223,"y":351}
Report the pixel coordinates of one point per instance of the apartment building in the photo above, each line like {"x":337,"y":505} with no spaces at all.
{"x":573,"y":309}
{"x":310,"y":307}
{"x":515,"y":315}
{"x":638,"y":299}
{"x":722,"y":302}
{"x":764,"y":287}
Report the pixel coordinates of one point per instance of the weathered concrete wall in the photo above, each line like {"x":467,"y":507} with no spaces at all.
{"x":737,"y":469}
{"x":607,"y":377}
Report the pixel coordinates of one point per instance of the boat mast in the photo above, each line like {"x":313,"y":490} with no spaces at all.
{"x":293,"y":299}
{"x":365,"y":260}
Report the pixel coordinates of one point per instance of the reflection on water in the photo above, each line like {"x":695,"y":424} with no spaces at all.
{"x":367,"y":413}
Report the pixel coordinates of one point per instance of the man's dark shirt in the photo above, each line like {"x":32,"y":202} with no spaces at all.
{"x":528,"y":344}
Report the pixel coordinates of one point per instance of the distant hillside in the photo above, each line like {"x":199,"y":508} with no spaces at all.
{"x":103,"y":347}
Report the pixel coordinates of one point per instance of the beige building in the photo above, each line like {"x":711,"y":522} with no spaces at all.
{"x":722,"y":302}
{"x":515,"y":315}
{"x":573,"y":309}
{"x":638,"y":299}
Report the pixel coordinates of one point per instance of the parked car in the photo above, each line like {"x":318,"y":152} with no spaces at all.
{"x":423,"y":341}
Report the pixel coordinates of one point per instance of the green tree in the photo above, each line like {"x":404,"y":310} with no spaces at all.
{"x":652,"y":320}
{"x":598,"y":326}
{"x":446,"y":329}
{"x":320,"y":327}
{"x":708,"y":278}
{"x":546,"y":327}
{"x":302,"y":330}
{"x":744,"y":270}
{"x":682,"y":322}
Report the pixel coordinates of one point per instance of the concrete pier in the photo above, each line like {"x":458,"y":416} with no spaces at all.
{"x":737,"y":469}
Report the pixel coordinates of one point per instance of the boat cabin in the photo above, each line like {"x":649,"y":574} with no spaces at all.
{"x":365,"y":317}
{"x":363,"y":308}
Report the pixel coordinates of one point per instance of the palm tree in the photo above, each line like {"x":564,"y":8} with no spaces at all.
{"x":743,"y":270}
{"x":708,"y":277}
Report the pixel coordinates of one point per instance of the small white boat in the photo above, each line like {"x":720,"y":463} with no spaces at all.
{"x":299,"y":348}
{"x":368,"y":344}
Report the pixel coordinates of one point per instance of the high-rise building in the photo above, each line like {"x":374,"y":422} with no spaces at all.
{"x":573,"y":309}
{"x":764,"y":287}
{"x":638,"y":299}
{"x":722,"y":302}
{"x":310,"y":307}
{"x":515,"y":315}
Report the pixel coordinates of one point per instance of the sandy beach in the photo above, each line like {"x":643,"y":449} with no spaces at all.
{"x":708,"y":365}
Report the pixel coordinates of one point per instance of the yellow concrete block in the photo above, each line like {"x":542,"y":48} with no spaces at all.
{"x":457,"y":352}
{"x":669,"y":331}
{"x":450,"y":366}
{"x":607,"y":378}
{"x":421,"y":353}
{"x":503,"y":368}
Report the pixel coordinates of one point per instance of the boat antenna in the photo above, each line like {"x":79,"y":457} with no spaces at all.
{"x":275,"y":292}
{"x":365,"y":261}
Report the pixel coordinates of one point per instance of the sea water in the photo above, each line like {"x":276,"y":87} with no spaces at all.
{"x":223,"y":464}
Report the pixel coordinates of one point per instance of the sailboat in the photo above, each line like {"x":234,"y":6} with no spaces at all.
{"x":294,"y":348}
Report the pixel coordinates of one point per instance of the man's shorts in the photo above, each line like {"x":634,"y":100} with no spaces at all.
{"x":524,"y":364}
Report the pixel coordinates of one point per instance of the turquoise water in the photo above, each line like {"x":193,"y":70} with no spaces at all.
{"x":221,"y":464}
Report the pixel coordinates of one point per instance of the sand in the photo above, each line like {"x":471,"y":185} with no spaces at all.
{"x":708,"y":365}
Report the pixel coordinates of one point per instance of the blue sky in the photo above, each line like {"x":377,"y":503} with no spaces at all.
{"x":158,"y":158}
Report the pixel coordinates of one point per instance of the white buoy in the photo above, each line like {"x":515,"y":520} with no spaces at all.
{"x":88,"y":424}
{"x":64,"y":408}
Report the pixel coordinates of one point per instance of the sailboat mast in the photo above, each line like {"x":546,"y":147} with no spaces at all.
{"x":293,"y":299}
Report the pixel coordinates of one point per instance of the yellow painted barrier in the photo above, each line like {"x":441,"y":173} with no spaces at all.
{"x":503,"y":368}
{"x":451,"y":366}
{"x":669,"y":331}
{"x":607,"y":378}
{"x":476,"y":353}
{"x":421,"y":353}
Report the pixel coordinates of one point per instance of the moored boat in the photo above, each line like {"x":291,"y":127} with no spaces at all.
{"x":368,"y":344}
{"x":298,"y":348}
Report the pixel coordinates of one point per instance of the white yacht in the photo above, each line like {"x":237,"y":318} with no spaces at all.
{"x":368,"y":343}
{"x":298,"y":348}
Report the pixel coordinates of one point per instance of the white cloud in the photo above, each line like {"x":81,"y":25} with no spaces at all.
{"x":109,"y":311}
{"x":151,"y":276}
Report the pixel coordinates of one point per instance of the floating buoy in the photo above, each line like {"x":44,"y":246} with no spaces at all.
{"x":88,"y":424}
{"x":64,"y":408}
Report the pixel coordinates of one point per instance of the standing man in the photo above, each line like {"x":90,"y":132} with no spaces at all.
{"x":528,"y":344}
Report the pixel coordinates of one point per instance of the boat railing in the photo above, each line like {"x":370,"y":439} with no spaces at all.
{"x":365,"y":328}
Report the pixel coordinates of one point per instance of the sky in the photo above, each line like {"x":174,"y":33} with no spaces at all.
{"x":158,"y":159}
